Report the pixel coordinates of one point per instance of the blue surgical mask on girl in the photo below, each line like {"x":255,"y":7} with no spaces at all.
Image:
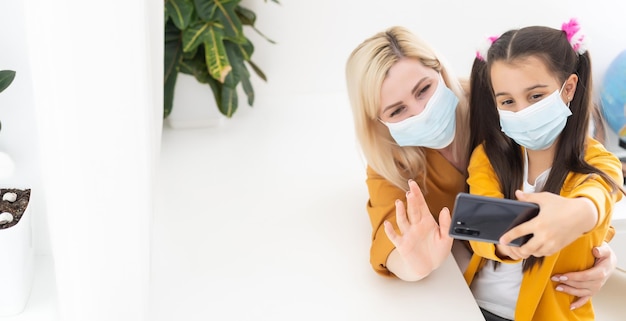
{"x":434,"y":127}
{"x":537,"y":126}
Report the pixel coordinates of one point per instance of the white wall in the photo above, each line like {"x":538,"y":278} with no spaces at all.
{"x":314,"y":38}
{"x":96,"y":70}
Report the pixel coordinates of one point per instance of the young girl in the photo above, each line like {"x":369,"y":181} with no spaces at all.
{"x":531,"y":101}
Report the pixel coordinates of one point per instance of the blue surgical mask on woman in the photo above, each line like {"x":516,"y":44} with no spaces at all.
{"x":537,"y":126}
{"x":434,"y":127}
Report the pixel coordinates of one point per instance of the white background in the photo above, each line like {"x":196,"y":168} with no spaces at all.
{"x":85,"y":122}
{"x":314,"y":38}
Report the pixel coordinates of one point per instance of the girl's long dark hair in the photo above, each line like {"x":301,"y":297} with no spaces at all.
{"x":505,"y":155}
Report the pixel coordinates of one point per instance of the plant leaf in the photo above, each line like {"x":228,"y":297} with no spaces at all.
{"x":236,"y":61}
{"x":172,"y":50}
{"x":228,"y":103}
{"x":222,"y":11}
{"x":195,"y":66}
{"x":247,"y":86}
{"x":240,"y":72}
{"x":172,"y":57}
{"x":194,"y":35}
{"x":247,"y":16}
{"x":216,"y":87}
{"x":245,"y":49}
{"x":257,"y":70}
{"x":6,"y":78}
{"x":180,"y":11}
{"x":215,"y":54}
{"x":168,"y":94}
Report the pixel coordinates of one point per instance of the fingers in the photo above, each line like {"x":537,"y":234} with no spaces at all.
{"x":518,"y":231}
{"x":391,"y":233}
{"x":603,"y":251}
{"x":521,"y":196}
{"x":587,"y":282}
{"x":522,"y":229}
{"x":583,"y":294}
{"x":401,"y":219}
{"x":575,"y":291}
{"x":599,"y":252}
{"x":445,"y":220}
{"x":504,"y":251}
{"x":416,"y":203}
{"x":580,"y":278}
{"x":580,"y":302}
{"x":514,"y":252}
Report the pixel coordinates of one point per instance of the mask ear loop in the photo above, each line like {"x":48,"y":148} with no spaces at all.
{"x":561,"y":91}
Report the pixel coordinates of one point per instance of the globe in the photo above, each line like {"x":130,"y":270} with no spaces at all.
{"x":613,"y":97}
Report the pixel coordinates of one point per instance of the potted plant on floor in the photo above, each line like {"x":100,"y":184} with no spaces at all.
{"x":205,"y":39}
{"x":16,"y":246}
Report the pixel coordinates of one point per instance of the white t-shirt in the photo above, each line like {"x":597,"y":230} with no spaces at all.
{"x":497,"y":290}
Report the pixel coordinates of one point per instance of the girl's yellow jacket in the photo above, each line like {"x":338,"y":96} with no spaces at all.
{"x":538,"y":299}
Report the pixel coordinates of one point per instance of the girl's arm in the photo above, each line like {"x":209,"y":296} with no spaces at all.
{"x":588,"y":206}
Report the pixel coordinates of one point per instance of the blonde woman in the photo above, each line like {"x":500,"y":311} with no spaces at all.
{"x":411,"y":119}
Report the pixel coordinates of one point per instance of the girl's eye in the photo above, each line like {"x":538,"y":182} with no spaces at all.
{"x":536,"y":97}
{"x":506,"y":102}
{"x":396,"y":111}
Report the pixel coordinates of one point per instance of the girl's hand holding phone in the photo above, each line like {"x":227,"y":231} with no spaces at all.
{"x":555,"y":227}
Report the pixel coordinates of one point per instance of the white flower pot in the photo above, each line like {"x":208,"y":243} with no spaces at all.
{"x":194,"y":105}
{"x":16,"y":264}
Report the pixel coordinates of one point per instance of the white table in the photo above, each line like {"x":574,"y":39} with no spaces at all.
{"x":264,"y":218}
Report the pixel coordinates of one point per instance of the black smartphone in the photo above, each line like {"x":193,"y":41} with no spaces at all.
{"x":482,"y":218}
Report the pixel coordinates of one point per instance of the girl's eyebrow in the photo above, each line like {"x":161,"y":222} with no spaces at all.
{"x":527,"y":89}
{"x":417,"y":85}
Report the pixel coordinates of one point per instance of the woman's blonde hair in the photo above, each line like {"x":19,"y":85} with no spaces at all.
{"x":366,"y":69}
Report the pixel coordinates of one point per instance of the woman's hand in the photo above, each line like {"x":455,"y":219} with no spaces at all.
{"x":587,"y":283}
{"x":422,"y":244}
{"x":560,"y":221}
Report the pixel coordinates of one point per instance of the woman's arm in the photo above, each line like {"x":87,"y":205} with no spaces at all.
{"x":587,"y":283}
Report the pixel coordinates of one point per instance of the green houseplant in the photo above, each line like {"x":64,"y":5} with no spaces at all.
{"x":205,"y":39}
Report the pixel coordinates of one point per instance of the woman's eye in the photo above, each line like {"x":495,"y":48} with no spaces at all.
{"x":423,"y":91}
{"x":396,"y":111}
